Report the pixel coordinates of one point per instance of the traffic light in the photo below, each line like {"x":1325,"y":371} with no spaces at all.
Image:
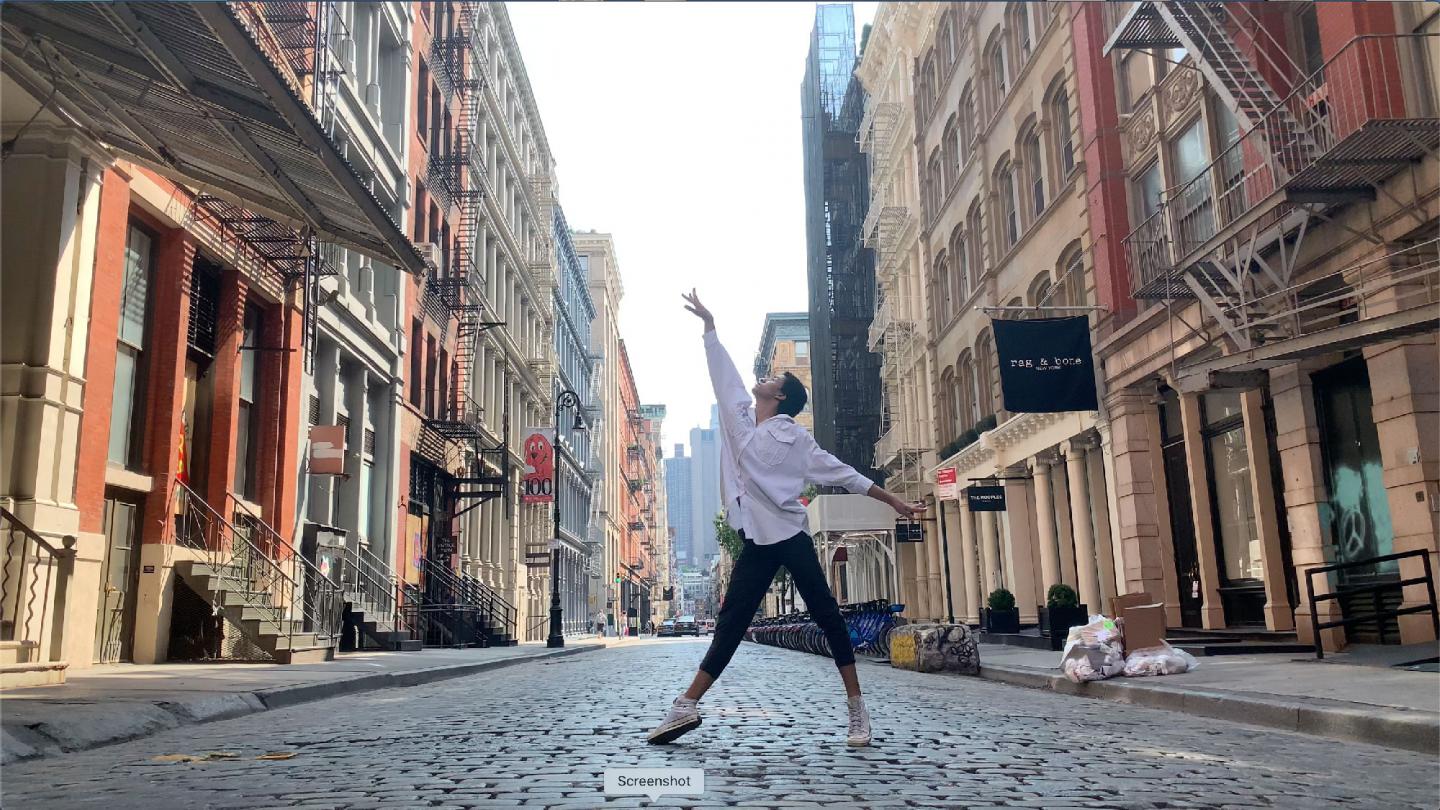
{"x":617,"y":579}
{"x":669,"y":593}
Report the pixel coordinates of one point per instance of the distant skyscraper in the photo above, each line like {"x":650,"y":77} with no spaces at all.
{"x":845,"y":375}
{"x":704,"y":488}
{"x":677,"y":492}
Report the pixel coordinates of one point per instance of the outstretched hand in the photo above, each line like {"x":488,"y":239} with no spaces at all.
{"x":692,"y":303}
{"x":909,"y":510}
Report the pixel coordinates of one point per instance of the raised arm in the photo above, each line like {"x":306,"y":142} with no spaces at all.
{"x":730,"y":392}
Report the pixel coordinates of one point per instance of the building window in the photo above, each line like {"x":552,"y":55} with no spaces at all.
{"x":1058,"y":109}
{"x":967,"y":123}
{"x":974,"y":230}
{"x":802,"y":348}
{"x":128,"y":403}
{"x":1035,"y":171}
{"x":1189,"y":157}
{"x":1009,"y":205}
{"x":1148,"y":190}
{"x":999,"y":77}
{"x":248,"y":420}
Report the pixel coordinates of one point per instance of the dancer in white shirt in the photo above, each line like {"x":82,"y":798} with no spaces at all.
{"x":766,"y":461}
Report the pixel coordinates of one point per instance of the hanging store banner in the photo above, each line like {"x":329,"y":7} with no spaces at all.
{"x":1046,"y":365}
{"x":985,"y":499}
{"x":327,"y":450}
{"x":945,"y":488}
{"x":537,"y":485}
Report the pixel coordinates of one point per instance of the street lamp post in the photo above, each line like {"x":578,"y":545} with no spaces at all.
{"x":566,"y":399}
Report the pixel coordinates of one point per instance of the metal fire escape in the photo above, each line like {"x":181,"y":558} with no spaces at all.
{"x":300,"y":42}
{"x":1306,"y":147}
{"x":460,"y":180}
{"x":893,"y":334}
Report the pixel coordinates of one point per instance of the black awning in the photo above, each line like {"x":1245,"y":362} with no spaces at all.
{"x":184,"y":89}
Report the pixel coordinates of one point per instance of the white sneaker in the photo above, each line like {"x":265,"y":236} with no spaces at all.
{"x":683,"y":716}
{"x":859,"y":723}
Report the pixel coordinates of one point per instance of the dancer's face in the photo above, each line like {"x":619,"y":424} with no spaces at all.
{"x":768,"y":388}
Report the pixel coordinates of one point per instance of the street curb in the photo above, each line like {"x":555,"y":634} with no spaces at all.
{"x":1391,"y":728}
{"x":77,"y":733}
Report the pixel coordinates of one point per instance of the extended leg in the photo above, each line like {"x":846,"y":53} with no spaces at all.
{"x":749,"y":582}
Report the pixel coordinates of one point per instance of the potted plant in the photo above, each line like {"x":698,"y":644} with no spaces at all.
{"x":1002,"y":616}
{"x":1062,"y":612}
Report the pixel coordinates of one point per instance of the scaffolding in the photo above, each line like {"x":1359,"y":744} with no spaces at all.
{"x":841,"y":274}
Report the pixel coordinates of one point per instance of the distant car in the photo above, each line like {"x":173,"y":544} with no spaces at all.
{"x":708,"y":627}
{"x":686,"y":626}
{"x":667,"y":629}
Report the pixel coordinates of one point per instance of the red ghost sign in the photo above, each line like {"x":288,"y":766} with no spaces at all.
{"x":538,"y":483}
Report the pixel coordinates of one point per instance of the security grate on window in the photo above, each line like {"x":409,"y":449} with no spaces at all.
{"x":314,"y":409}
{"x":343,"y":421}
{"x":204,"y":307}
{"x":369,"y":442}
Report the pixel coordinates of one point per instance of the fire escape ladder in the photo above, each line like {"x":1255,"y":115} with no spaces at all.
{"x":1211,"y":34}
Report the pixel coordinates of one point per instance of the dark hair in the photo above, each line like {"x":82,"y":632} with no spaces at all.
{"x":795,"y":396}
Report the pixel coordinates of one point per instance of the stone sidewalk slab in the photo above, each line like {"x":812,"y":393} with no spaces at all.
{"x":114,"y":703}
{"x":1393,"y":708}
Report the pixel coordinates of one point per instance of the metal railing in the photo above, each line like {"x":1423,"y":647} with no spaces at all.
{"x":34,"y":583}
{"x":1371,"y":78}
{"x":283,"y":593}
{"x":500,"y":613}
{"x":1376,"y":591}
{"x":446,"y":617}
{"x":380,"y":591}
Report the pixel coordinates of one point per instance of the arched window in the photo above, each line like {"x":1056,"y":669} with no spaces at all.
{"x":948,"y":411}
{"x":1017,"y":19}
{"x":1034,"y":163}
{"x":997,"y":72}
{"x":984,"y":375}
{"x":975,"y":237}
{"x":1069,"y":289}
{"x":952,"y":155}
{"x":937,"y":183}
{"x":1007,"y":208}
{"x":939,"y":297}
{"x":1039,"y":293}
{"x":965,"y":400}
{"x":946,"y":43}
{"x":1057,"y":109}
{"x":957,"y":267}
{"x":967,"y":121}
{"x":942,"y":280}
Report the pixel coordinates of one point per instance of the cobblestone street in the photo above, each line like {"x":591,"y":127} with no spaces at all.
{"x":541,"y":735}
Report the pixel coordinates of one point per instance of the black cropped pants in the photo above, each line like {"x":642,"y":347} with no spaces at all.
{"x":750,"y":581}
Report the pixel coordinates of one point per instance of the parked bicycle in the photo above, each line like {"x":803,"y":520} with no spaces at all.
{"x":869,"y":624}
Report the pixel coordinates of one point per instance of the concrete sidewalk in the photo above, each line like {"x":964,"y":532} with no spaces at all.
{"x":1332,"y":698}
{"x":109,"y":704}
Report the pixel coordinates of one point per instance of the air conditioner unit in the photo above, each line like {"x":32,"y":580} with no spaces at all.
{"x":430,"y":252}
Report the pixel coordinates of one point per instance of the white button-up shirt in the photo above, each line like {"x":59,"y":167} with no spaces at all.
{"x":765,"y":467}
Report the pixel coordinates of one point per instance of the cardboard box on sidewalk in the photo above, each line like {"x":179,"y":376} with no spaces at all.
{"x":1144,"y":627}
{"x":1119,"y":604}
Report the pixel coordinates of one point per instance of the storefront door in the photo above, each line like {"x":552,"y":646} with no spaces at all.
{"x":115,"y":611}
{"x":1182,"y":521}
{"x":1358,"y":513}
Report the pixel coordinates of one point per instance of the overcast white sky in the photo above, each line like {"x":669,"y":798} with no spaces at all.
{"x":676,"y":127}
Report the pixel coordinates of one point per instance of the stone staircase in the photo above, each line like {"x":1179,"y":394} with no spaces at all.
{"x":271,"y":627}
{"x":258,"y":581}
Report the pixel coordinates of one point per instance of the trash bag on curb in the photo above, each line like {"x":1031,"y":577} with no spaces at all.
{"x":1092,"y":651}
{"x":1161,"y":660}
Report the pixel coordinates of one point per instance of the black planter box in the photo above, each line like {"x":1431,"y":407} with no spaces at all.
{"x":1002,"y":621}
{"x":1055,"y":623}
